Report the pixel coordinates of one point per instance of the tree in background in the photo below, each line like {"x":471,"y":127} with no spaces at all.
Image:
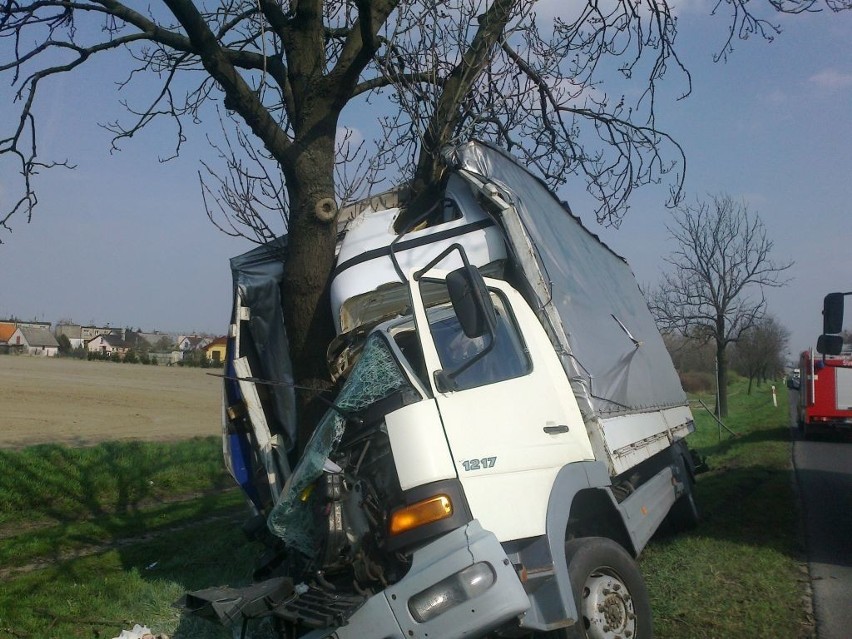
{"x":759,"y":354}
{"x":694,"y":360}
{"x":164,"y":345}
{"x":278,"y":75}
{"x":65,"y":347}
{"x":720,"y":269}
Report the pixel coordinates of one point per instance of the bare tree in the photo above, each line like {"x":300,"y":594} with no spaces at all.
{"x":721,"y":268}
{"x":759,"y":354}
{"x":284,"y":71}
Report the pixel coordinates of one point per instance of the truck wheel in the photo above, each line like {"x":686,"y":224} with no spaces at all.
{"x":609,"y":591}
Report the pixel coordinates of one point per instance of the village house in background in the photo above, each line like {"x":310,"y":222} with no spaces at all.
{"x":215,"y":350}
{"x":79,"y":335}
{"x":32,"y":340}
{"x":108,"y":345}
{"x":109,"y":342}
{"x":6,"y":330}
{"x":188,"y":343}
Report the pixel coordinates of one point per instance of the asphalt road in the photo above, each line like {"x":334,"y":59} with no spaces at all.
{"x":824,"y":471}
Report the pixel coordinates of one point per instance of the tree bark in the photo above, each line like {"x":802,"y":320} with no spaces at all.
{"x":447,"y":112}
{"x":722,"y":378}
{"x":305,"y":289}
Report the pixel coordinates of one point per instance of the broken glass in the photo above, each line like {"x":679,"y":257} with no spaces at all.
{"x":376,"y":376}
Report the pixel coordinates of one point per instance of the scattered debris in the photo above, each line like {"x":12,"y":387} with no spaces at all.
{"x":139,"y":632}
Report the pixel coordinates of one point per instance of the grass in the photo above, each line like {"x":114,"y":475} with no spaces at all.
{"x":94,"y":540}
{"x":56,"y":483}
{"x":739,"y":573}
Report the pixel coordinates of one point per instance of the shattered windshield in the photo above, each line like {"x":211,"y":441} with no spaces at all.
{"x":376,"y":376}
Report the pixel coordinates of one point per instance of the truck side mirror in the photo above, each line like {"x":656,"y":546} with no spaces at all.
{"x":830,"y":344}
{"x":832,"y":314}
{"x":471,"y":301}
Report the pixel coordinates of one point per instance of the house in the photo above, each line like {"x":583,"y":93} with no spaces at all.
{"x":108,"y":345}
{"x":6,"y":331}
{"x":74,"y":333}
{"x":91,"y":332}
{"x":215,"y":350}
{"x":189,"y":343}
{"x":33,"y":341}
{"x":33,"y":324}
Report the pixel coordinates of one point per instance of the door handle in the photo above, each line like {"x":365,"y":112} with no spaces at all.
{"x":555,"y":430}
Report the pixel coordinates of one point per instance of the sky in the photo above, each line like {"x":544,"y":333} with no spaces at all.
{"x":123,"y":239}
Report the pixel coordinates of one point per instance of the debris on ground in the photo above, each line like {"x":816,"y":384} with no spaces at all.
{"x":139,"y":632}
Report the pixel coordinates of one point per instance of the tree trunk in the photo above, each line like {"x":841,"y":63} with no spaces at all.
{"x":722,"y":378}
{"x":445,"y":119}
{"x":305,"y":289}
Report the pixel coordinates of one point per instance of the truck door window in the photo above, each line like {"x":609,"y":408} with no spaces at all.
{"x":506,"y":359}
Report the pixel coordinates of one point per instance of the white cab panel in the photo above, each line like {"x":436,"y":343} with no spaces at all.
{"x":510,"y":438}
{"x":419,"y":445}
{"x":364,"y":262}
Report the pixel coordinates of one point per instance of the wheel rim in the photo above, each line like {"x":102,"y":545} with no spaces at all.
{"x":608,"y":607}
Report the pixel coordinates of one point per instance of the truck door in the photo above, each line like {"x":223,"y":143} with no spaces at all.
{"x":511,"y":419}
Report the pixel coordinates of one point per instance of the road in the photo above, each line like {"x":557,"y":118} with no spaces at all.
{"x":824,"y":473}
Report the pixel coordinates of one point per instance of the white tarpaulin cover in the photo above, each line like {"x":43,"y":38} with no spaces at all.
{"x":611,"y":346}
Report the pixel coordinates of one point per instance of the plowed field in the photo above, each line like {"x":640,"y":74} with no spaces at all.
{"x":44,"y":400}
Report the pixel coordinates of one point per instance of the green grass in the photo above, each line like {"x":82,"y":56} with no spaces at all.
{"x":93,"y":540}
{"x":99,"y":595}
{"x":738,"y":574}
{"x":51,"y":483}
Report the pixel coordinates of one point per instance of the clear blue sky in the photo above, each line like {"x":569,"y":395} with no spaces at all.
{"x":124,"y":239}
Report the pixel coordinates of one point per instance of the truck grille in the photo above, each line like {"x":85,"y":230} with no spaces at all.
{"x":318,"y":608}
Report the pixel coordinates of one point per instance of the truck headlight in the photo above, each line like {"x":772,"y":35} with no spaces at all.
{"x":452,"y":591}
{"x":420,"y":513}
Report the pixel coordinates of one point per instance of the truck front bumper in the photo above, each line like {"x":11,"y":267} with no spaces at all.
{"x":462,"y":584}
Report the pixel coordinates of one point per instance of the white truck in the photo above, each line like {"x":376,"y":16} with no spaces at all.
{"x":502,"y":447}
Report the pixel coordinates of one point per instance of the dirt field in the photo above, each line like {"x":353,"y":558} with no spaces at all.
{"x":45,"y":399}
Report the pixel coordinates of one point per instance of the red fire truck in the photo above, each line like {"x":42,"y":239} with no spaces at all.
{"x":825,"y":392}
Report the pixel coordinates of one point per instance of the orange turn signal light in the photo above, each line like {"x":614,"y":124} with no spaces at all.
{"x":420,"y":513}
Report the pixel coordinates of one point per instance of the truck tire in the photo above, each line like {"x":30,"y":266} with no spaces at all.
{"x":609,"y":592}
